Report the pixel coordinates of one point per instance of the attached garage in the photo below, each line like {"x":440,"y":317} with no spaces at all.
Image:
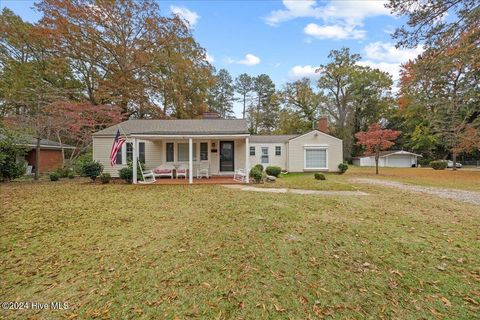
{"x":395,"y":159}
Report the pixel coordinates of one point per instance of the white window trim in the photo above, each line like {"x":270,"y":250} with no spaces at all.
{"x":305,"y":148}
{"x":278,"y":155}
{"x":262,"y":154}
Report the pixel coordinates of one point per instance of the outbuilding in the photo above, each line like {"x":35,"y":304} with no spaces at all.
{"x":394,"y":158}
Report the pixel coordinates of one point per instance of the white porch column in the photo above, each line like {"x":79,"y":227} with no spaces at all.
{"x":134,"y":159}
{"x":247,"y":159}
{"x":190,"y":160}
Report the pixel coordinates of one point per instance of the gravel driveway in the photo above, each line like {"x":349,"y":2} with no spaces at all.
{"x":455,"y":194}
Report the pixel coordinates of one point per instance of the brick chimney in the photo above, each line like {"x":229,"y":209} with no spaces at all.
{"x":322,"y":124}
{"x":210,"y":115}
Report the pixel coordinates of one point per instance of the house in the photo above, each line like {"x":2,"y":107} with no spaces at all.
{"x":394,"y":158}
{"x":51,"y":157}
{"x":225,"y":145}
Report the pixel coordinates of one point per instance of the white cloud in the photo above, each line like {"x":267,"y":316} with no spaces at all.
{"x":307,"y":71}
{"x":336,"y":32}
{"x":387,"y":58}
{"x":249,"y":60}
{"x":347,"y":10}
{"x":188,"y":15}
{"x":388,"y":52}
{"x":210,"y":58}
{"x":341,"y":19}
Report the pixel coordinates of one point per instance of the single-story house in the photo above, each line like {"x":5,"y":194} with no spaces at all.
{"x":394,"y":158}
{"x":224,"y":145}
{"x":51,"y":157}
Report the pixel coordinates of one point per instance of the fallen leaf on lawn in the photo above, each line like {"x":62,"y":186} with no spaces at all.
{"x":398,"y":273}
{"x":472,"y":301}
{"x":181,"y":250}
{"x":279,"y":309}
{"x":206,"y":285}
{"x":446,"y":302}
{"x":441,"y":268}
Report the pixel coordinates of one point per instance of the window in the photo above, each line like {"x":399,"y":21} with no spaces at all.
{"x":264,"y":154}
{"x":183,"y":152}
{"x":119,"y":156}
{"x":141,"y":152}
{"x":278,"y":150}
{"x":169,"y":152}
{"x":203,"y":151}
{"x":129,"y":151}
{"x":315,"y":158}
{"x":252,"y":151}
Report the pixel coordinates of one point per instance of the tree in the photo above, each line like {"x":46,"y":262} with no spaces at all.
{"x":428,"y":23}
{"x":376,"y":139}
{"x":299,"y":96}
{"x":244,"y":86}
{"x":221,"y":95}
{"x":349,"y":92}
{"x":265,"y":105}
{"x":75,"y":122}
{"x":127,"y":54}
{"x":439,"y":94}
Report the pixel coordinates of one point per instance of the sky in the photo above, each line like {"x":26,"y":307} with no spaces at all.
{"x":287,"y":40}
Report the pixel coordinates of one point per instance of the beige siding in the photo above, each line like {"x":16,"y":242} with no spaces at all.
{"x":154,"y":155}
{"x":296,"y":155}
{"x":273,"y":160}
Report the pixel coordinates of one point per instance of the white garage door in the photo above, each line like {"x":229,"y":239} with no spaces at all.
{"x":400,"y":161}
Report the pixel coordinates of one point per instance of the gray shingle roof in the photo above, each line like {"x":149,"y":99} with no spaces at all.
{"x":45,"y":143}
{"x":176,"y":127}
{"x":272,"y":138}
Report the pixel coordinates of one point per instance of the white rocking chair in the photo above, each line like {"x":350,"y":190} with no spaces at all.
{"x":240,"y":175}
{"x":203,"y":170}
{"x":147,"y":176}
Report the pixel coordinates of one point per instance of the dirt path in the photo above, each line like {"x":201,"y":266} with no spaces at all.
{"x":296,"y":191}
{"x":455,"y":194}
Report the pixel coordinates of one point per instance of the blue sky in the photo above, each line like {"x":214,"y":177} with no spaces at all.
{"x":286,"y":40}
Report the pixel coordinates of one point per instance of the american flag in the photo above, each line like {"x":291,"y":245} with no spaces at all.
{"x":117,"y":145}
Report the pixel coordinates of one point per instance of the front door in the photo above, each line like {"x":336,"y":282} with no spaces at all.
{"x":226,"y":156}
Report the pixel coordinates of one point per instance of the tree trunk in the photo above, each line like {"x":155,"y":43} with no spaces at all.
{"x":37,"y":159}
{"x":63,"y":150}
{"x":377,"y":156}
{"x":454,"y":159}
{"x":244,"y":104}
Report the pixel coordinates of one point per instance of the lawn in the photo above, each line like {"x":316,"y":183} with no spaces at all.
{"x":307,"y":181}
{"x":466,"y":179}
{"x":152,"y":252}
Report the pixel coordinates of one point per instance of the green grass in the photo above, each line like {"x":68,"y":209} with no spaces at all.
{"x":307,"y":181}
{"x":153,"y":252}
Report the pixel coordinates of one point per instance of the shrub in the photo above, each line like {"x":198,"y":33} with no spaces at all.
{"x":259,"y":167}
{"x":71,"y":175}
{"x":10,"y":151}
{"x":105,"y":177}
{"x":54,"y":176}
{"x":320,"y":176}
{"x":438,"y":164}
{"x":64,"y":172}
{"x":92,"y":169}
{"x":81,"y":160}
{"x":126,"y":174}
{"x":256,"y":174}
{"x":342,"y":167}
{"x":273,"y":171}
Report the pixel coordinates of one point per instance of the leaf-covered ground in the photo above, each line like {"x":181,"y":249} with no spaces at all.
{"x":152,"y":252}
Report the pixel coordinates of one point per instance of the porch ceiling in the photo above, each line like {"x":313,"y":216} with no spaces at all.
{"x":194,"y":137}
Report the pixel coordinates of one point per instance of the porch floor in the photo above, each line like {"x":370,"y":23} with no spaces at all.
{"x":211,"y":180}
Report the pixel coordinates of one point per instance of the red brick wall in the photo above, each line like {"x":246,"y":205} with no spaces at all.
{"x":50,"y":160}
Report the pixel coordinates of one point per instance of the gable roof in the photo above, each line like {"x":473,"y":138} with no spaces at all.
{"x":280,"y":138}
{"x":178,"y":127}
{"x":318,"y":131}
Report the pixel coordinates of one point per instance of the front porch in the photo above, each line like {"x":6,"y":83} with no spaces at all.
{"x":203,"y":181}
{"x":169,"y":156}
